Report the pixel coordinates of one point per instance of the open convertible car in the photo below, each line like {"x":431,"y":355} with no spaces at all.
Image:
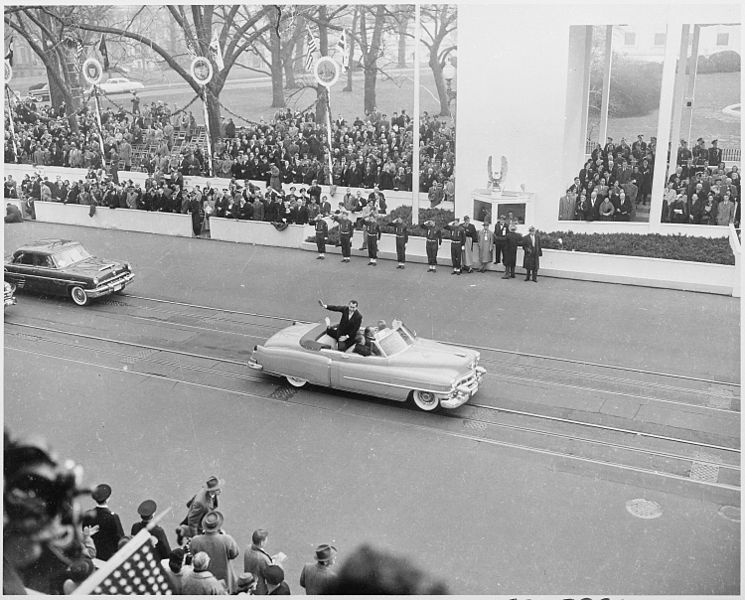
{"x":402,"y":366}
{"x":65,"y":268}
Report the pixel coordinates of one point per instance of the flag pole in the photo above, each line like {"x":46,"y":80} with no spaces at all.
{"x":100,"y":127}
{"x":415,"y":120}
{"x":328,"y":135}
{"x":12,"y":126}
{"x":207,"y":128}
{"x":90,"y":584}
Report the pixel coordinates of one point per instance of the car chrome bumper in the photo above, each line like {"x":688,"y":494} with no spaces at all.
{"x":10,"y":301}
{"x":111,"y":287}
{"x":465,"y":391}
{"x":252,"y":364}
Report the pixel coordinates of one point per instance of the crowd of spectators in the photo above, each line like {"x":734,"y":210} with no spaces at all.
{"x":291,"y":148}
{"x":41,"y":498}
{"x":617,"y":179}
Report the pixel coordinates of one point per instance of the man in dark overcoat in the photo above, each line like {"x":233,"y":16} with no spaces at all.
{"x":402,"y":237}
{"x":509,"y":259}
{"x":533,"y":252}
{"x":110,"y":529}
{"x":501,"y":229}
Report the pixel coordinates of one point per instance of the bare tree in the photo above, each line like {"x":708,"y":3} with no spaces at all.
{"x":369,"y":40}
{"x":439,"y":22}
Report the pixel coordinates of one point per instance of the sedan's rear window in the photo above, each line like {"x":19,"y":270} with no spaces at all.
{"x":70,"y":256}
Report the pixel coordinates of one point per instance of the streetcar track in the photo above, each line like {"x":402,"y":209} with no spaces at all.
{"x":247,"y":376}
{"x":480,"y":439}
{"x":484,"y":348}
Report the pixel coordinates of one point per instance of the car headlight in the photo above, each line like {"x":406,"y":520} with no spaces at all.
{"x":95,"y":281}
{"x":128,"y":266}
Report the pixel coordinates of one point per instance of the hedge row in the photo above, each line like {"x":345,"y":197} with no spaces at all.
{"x":653,"y":245}
{"x":727,"y":61}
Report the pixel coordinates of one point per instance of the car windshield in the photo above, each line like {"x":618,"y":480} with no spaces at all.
{"x":70,"y":256}
{"x":393,"y":341}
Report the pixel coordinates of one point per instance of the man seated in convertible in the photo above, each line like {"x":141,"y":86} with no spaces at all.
{"x":370,"y":341}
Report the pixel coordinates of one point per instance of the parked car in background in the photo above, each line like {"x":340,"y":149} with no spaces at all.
{"x":10,"y":291}
{"x":400,"y":367}
{"x":65,"y":268}
{"x":40,"y":92}
{"x":120,"y":85}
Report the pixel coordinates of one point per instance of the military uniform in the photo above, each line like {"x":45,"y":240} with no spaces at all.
{"x":322,"y":231}
{"x":346,"y":231}
{"x":402,"y":237}
{"x":434,"y":240}
{"x":373,"y":235}
{"x":457,"y":243}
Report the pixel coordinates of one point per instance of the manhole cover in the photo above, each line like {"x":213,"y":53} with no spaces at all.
{"x":731,"y":513}
{"x":644,"y":509}
{"x":476,"y":425}
{"x":704,"y":471}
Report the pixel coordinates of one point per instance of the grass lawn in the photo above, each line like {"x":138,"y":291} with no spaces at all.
{"x":713,"y":92}
{"x":394,"y":93}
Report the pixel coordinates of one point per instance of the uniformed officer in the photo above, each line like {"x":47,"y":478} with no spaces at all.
{"x":322,"y":232}
{"x":373,"y":235}
{"x":346,"y":231}
{"x":457,"y":243}
{"x":434,"y":240}
{"x":402,"y":237}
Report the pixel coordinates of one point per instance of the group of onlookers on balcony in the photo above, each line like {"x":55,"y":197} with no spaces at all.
{"x":617,"y":179}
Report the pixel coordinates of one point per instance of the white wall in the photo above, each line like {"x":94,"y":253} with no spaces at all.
{"x":512,"y":87}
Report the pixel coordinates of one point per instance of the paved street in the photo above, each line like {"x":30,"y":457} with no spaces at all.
{"x":331,"y":468}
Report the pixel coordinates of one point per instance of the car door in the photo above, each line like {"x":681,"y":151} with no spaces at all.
{"x":363,"y":375}
{"x":22,"y":272}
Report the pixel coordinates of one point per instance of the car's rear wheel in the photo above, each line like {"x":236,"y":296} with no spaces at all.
{"x":296,"y":381}
{"x":426,"y":401}
{"x":79,"y":296}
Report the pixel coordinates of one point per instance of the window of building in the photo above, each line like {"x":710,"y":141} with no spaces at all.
{"x":629,"y":39}
{"x":722,"y":39}
{"x":659,"y":39}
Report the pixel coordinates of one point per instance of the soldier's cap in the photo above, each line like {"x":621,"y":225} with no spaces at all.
{"x":714,"y":141}
{"x":429,"y":222}
{"x":101,"y":493}
{"x":147,"y":509}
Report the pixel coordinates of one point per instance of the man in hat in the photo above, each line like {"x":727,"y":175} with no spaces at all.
{"x":683,"y":153}
{"x":346,"y":231}
{"x":322,"y":232}
{"x":471,"y":244}
{"x":700,"y":154}
{"x":245,"y":585}
{"x":433,"y":243}
{"x":715,"y":154}
{"x":639,"y":147}
{"x":501,"y":229}
{"x":201,"y":503}
{"x":275,"y":581}
{"x":317,"y":575}
{"x":109,"y":530}
{"x":201,"y":582}
{"x":146,"y":510}
{"x":509,"y":258}
{"x":531,"y":260}
{"x":220,"y":547}
{"x":372,"y":235}
{"x":402,"y":237}
{"x":457,"y":242}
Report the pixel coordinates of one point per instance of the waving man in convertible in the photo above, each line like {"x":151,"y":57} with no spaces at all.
{"x":346,"y":331}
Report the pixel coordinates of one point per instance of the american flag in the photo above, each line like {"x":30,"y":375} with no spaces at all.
{"x":133,"y":570}
{"x":344,"y":49}
{"x":9,"y":53}
{"x":312,"y":47}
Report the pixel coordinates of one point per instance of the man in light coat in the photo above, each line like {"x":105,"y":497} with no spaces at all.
{"x":220,"y":547}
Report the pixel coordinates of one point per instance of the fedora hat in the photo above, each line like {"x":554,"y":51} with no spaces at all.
{"x":324,"y":552}
{"x":101,"y":493}
{"x":213,"y":520}
{"x":274,"y":574}
{"x":147,"y":509}
{"x":214,"y":484}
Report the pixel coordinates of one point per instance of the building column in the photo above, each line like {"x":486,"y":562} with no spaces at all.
{"x":415,"y":119}
{"x":680,"y":85}
{"x":691,"y":89}
{"x":603,"y":132}
{"x":577,"y":101}
{"x":667,"y":101}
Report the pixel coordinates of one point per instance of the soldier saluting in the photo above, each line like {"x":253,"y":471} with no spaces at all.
{"x":373,"y":235}
{"x":322,"y":232}
{"x":346,"y":231}
{"x":434,"y":240}
{"x":402,"y":237}
{"x":457,"y":244}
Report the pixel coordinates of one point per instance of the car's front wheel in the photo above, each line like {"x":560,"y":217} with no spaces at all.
{"x":296,"y":381}
{"x":79,"y":296}
{"x":427,"y":401}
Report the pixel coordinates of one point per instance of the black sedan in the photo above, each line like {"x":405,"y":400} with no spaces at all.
{"x":65,"y":268}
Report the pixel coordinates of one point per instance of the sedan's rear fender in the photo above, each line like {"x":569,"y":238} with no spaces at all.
{"x":300,"y":363}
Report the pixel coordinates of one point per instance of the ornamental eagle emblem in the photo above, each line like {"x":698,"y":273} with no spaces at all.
{"x":495,"y":179}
